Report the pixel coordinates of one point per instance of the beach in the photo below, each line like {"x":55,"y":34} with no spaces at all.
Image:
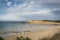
{"x":34,"y":30}
{"x":35,"y":34}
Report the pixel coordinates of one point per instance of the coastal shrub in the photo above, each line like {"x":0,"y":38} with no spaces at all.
{"x":22,"y":38}
{"x":27,"y":38}
{"x":54,"y":37}
{"x":1,"y":38}
{"x":18,"y":38}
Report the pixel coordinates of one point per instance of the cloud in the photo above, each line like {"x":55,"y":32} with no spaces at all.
{"x":11,"y":17}
{"x":28,"y":12}
{"x":56,"y":12}
{"x":51,"y":5}
{"x":40,"y":17}
{"x":48,"y":1}
{"x":31,"y":9}
{"x":9,"y":3}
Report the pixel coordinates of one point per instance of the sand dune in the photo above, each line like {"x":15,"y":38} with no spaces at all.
{"x":43,"y":22}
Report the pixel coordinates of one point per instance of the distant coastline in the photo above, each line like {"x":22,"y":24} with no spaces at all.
{"x":44,"y":21}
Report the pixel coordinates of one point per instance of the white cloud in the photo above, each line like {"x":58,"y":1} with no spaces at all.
{"x":18,"y":11}
{"x":44,"y":12}
{"x":22,"y":7}
{"x":9,"y":3}
{"x":11,"y":17}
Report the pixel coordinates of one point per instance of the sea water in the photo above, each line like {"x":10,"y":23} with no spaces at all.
{"x":10,"y":26}
{"x":18,"y":26}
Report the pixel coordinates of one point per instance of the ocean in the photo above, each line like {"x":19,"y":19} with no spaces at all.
{"x":10,"y":26}
{"x":17,"y":26}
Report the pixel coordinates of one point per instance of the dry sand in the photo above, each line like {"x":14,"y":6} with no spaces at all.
{"x":36,"y":34}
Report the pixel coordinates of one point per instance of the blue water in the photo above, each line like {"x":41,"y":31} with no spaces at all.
{"x":6,"y":26}
{"x":13,"y":26}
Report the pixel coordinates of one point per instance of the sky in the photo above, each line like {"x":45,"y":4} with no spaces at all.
{"x":21,"y":10}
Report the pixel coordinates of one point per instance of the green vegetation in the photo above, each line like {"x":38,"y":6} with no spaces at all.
{"x":27,"y":38}
{"x":1,"y":38}
{"x":18,"y":38}
{"x":22,"y":38}
{"x":55,"y":37}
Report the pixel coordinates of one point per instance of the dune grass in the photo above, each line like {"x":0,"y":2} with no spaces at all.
{"x":22,"y":38}
{"x":54,"y":37}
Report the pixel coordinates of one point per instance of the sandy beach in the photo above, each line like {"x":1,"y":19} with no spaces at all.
{"x":34,"y":33}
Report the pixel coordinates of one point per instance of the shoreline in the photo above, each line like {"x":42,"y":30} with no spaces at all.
{"x":35,"y":33}
{"x":30,"y":29}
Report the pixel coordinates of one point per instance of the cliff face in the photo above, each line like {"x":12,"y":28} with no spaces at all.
{"x":41,"y":22}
